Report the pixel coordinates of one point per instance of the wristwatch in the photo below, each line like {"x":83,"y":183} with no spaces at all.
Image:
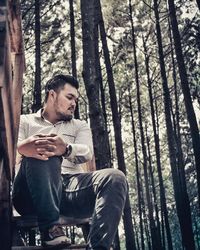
{"x":68,"y":151}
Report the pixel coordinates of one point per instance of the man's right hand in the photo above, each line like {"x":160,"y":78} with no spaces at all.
{"x":29,"y":148}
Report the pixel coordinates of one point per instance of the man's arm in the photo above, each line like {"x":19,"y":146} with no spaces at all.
{"x":31,"y":148}
{"x":27,"y":145}
{"x":82,"y":148}
{"x":44,"y":146}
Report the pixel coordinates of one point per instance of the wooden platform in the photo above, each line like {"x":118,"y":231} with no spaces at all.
{"x":29,"y":226}
{"x":11,"y":73}
{"x":31,"y":221}
{"x":72,"y":247}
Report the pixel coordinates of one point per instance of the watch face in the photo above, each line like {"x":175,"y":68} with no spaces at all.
{"x":68,"y":150}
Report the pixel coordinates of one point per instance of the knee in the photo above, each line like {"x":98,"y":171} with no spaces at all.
{"x":117,"y":179}
{"x":55,"y":160}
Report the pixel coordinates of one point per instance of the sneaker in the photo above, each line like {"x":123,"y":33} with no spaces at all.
{"x":54,"y":236}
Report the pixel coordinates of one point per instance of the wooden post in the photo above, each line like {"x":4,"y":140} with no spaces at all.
{"x":11,"y":71}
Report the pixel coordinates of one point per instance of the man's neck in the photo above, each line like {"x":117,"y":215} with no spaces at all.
{"x":49,"y":115}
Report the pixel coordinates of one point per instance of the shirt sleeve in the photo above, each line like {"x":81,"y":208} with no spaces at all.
{"x":22,"y":134}
{"x":82,"y":148}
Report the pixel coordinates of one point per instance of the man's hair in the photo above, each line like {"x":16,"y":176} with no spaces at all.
{"x":57,"y":83}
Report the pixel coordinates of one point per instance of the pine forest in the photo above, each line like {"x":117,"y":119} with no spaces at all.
{"x":138,"y":64}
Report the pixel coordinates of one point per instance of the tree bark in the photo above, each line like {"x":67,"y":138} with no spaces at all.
{"x":156,"y":241}
{"x":91,"y":80}
{"x":37,"y":99}
{"x":198,"y":3}
{"x":155,"y":200}
{"x":139,"y":197}
{"x":186,"y":91}
{"x":182,"y":211}
{"x":158,"y":156}
{"x":127,"y":218}
{"x":73,"y":50}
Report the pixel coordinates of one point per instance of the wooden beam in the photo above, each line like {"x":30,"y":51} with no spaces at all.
{"x":18,"y":59}
{"x":15,"y":27}
{"x":5,"y":209}
{"x":72,"y":247}
{"x":10,"y":100}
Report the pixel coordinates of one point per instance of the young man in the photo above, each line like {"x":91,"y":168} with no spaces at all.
{"x":50,"y":181}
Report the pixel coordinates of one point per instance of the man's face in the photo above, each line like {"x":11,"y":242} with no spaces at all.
{"x":65,"y":102}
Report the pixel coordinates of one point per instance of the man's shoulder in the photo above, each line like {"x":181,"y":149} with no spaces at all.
{"x":28,"y":117}
{"x":78,"y":122}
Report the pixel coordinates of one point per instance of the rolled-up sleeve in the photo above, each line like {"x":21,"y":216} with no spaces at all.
{"x":82,"y":148}
{"x":22,"y":134}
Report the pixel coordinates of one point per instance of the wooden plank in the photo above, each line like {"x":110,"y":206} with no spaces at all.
{"x":18,"y":59}
{"x":9,"y":115}
{"x":72,"y":247}
{"x":6,"y":122}
{"x":15,"y":27}
{"x":31,"y":221}
{"x":5,"y":211}
{"x":2,"y":40}
{"x":6,"y":95}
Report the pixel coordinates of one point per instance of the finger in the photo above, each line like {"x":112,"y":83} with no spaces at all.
{"x":52,"y":139}
{"x":50,"y":154}
{"x":46,"y":154}
{"x":40,"y":135}
{"x":43,"y":142}
{"x":52,"y":135}
{"x":41,"y":157}
{"x":42,"y":148}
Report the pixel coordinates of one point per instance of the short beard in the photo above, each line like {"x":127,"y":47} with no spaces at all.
{"x":67,"y":118}
{"x":64,"y":117}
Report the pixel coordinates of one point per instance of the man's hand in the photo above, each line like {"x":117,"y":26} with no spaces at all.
{"x":50,"y":143}
{"x":30,"y":148}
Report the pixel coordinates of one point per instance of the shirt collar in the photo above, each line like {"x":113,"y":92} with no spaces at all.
{"x":38,"y":114}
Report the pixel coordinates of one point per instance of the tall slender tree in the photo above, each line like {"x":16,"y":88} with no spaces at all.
{"x":127,"y":218}
{"x":73,"y":49}
{"x":198,"y":3}
{"x":156,"y":241}
{"x":91,"y":80}
{"x":186,"y":90}
{"x":157,"y":149}
{"x":139,"y":197}
{"x":37,"y":99}
{"x":183,"y":214}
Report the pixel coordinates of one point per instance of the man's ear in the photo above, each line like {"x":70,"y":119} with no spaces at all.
{"x":52,"y":94}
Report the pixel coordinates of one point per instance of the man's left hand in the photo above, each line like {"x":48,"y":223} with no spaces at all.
{"x":52,"y":143}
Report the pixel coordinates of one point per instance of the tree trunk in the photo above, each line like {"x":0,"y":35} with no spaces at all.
{"x":186,"y":91}
{"x":73,"y":50}
{"x":156,"y":241}
{"x":158,"y":157}
{"x":158,"y":231}
{"x":103,"y":105}
{"x":91,"y":80}
{"x":198,"y":3}
{"x":181,"y":172}
{"x":37,"y":99}
{"x":182,"y":211}
{"x":128,"y":225}
{"x":137,"y":173}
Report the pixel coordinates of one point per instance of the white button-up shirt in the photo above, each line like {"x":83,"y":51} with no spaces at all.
{"x":75,"y":132}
